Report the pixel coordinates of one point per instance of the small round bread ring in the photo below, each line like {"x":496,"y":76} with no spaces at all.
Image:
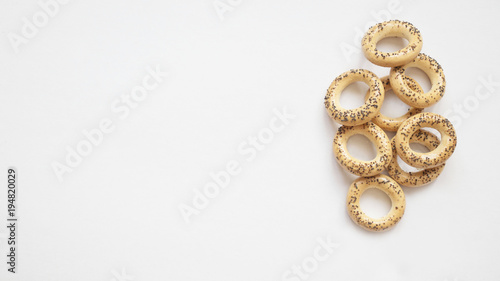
{"x":392,"y":28}
{"x":385,"y":184}
{"x":411,"y":97}
{"x":359,"y":167}
{"x":432,"y":158}
{"x":413,"y":179}
{"x":389,"y":123}
{"x":362,"y":114}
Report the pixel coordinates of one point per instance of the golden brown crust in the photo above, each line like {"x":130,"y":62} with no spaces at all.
{"x":385,"y":184}
{"x":359,"y":167}
{"x":413,"y":179}
{"x":435,"y":157}
{"x":392,"y":28}
{"x":414,"y":98}
{"x":362,"y":114}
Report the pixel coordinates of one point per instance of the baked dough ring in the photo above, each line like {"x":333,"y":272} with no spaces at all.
{"x":362,"y":114}
{"x":413,"y":179}
{"x":411,"y":97}
{"x":359,"y":167}
{"x":435,"y":157}
{"x":392,"y":28}
{"x":387,"y":185}
{"x":389,"y":123}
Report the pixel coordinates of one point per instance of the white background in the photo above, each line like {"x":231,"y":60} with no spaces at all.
{"x":118,"y":211}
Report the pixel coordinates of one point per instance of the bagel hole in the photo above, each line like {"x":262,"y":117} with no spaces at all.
{"x":407,"y":168}
{"x":353,"y":96}
{"x":432,"y":131}
{"x":393,"y":107}
{"x":419,"y":76}
{"x":360,"y":147}
{"x":417,"y":147}
{"x":375,"y":203}
{"x":391,"y":44}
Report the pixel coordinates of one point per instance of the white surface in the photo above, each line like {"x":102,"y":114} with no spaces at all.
{"x":119,"y":209}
